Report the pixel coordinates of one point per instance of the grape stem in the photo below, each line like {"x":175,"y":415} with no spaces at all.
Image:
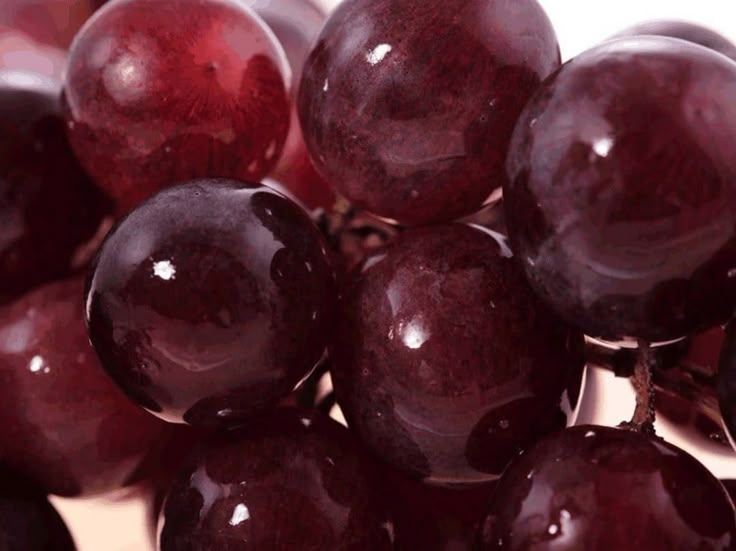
{"x":644,"y":413}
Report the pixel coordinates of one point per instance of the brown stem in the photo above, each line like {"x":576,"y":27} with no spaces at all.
{"x":644,"y":414}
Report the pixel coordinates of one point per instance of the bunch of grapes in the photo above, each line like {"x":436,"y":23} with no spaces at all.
{"x":335,"y":283}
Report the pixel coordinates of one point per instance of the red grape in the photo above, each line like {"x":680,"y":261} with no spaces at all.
{"x":445,"y":363}
{"x":292,"y":480}
{"x":28,"y":522}
{"x":62,"y":421}
{"x":160,"y":92}
{"x":408,"y":105}
{"x":594,"y":487}
{"x":208,"y":319}
{"x":296,"y":23}
{"x":684,"y":31}
{"x":49,"y":209}
{"x":621,"y":199}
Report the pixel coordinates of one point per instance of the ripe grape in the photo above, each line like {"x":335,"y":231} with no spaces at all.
{"x":208,"y":318}
{"x":621,"y":199}
{"x":445,"y":363}
{"x":160,"y":92}
{"x":592,"y":487}
{"x":62,"y":421}
{"x":296,"y":23}
{"x":49,"y":209}
{"x":408,"y":105}
{"x":291,"y":480}
{"x":684,"y":31}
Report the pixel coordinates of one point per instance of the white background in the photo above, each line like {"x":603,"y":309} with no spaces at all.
{"x":102,"y":525}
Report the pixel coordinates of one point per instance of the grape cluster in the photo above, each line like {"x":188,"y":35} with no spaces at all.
{"x":335,"y":283}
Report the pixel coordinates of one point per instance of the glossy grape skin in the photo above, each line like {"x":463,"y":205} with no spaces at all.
{"x":408,"y":105}
{"x":292,"y":480}
{"x":602,"y":488}
{"x":296,"y":23}
{"x":684,"y":30}
{"x":62,"y":421}
{"x":445,"y":364}
{"x":621,"y":199}
{"x":49,"y":208}
{"x":160,"y":92}
{"x":28,"y":522}
{"x":208,"y":319}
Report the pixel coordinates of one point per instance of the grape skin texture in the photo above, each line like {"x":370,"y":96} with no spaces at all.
{"x":445,"y":363}
{"x":292,"y":480}
{"x":621,"y":198}
{"x":209,"y":319}
{"x":602,"y":488}
{"x":408,"y":106}
{"x":162,"y":92}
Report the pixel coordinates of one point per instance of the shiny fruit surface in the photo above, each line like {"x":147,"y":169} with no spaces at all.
{"x":445,"y":363}
{"x":208,"y":319}
{"x":160,"y":92}
{"x":621,"y":198}
{"x":407,"y":106}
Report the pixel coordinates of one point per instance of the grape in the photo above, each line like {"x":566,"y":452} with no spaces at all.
{"x":49,"y":209}
{"x":592,"y":487}
{"x":64,"y":423}
{"x":684,"y":31}
{"x":159,"y":92}
{"x":621,"y":199}
{"x":292,"y":480}
{"x":28,"y":522}
{"x":408,"y":105}
{"x":445,"y":364}
{"x":207,"y":319}
{"x":296,"y":23}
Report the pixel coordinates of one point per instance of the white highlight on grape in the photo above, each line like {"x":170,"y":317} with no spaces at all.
{"x":603,"y":146}
{"x":240,"y":514}
{"x":377,"y":54}
{"x":164,"y":269}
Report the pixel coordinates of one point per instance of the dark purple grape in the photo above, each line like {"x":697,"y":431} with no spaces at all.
{"x":49,"y":208}
{"x":291,"y":480}
{"x":445,"y":363}
{"x":160,"y":92}
{"x":599,"y":488}
{"x":408,"y":105}
{"x":211,"y":301}
{"x":684,"y":30}
{"x":621,"y":200}
{"x":28,"y":522}
{"x":63,"y":422}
